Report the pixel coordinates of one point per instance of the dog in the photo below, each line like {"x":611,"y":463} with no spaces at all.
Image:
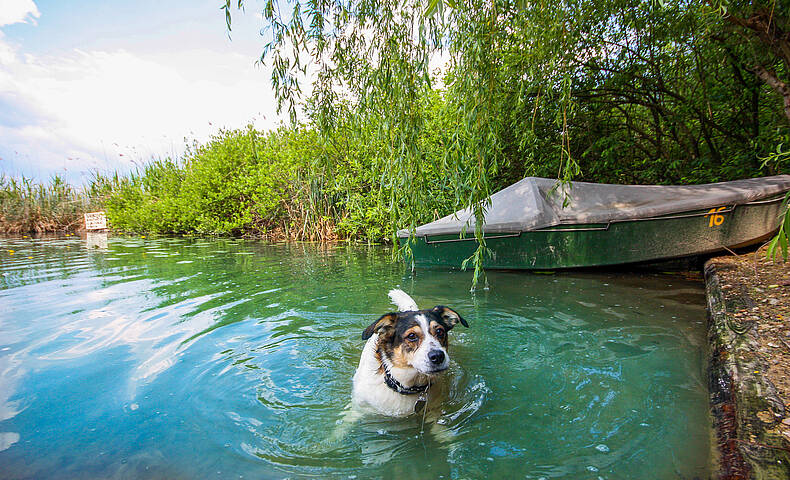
{"x":405,"y":353}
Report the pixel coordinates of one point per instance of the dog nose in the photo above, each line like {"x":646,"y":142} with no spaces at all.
{"x":436,"y":356}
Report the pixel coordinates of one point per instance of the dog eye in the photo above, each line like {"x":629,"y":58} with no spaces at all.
{"x":440,"y":332}
{"x":412,"y":337}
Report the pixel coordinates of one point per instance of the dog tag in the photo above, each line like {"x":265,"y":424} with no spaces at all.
{"x":421,"y":401}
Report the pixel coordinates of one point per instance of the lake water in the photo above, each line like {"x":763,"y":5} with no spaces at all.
{"x":202,"y":358}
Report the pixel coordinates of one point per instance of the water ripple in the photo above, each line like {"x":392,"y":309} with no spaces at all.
{"x":168,"y":358}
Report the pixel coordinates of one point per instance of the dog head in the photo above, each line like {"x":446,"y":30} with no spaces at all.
{"x":415,"y":339}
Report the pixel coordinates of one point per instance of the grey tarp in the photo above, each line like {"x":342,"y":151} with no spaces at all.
{"x":534,"y":203}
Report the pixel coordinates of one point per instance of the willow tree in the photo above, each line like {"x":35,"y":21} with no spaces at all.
{"x":622,"y":90}
{"x":369,"y":63}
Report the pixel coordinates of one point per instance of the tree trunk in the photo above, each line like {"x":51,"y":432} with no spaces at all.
{"x":774,"y":82}
{"x":764,"y":25}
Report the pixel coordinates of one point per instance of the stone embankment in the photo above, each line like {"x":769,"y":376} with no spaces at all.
{"x":749,"y":361}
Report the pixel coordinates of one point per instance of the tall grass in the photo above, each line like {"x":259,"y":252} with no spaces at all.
{"x":27,"y":206}
{"x":30,"y":207}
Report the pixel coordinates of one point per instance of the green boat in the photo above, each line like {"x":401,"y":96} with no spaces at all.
{"x":539,"y":224}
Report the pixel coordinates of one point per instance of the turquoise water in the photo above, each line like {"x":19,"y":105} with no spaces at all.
{"x":201,"y":358}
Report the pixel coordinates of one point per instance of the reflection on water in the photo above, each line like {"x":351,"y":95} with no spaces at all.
{"x":96,"y":240}
{"x":196,"y":358}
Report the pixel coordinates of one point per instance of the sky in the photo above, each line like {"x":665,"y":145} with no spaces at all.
{"x":109,"y":85}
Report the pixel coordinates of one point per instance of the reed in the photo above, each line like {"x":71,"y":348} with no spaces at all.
{"x":27,"y":206}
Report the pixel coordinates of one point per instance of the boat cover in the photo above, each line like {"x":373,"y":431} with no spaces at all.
{"x":535,"y":203}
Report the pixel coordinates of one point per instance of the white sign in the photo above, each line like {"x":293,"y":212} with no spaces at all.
{"x":95,"y":221}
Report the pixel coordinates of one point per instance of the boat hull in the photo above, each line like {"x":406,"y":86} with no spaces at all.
{"x":631,"y":241}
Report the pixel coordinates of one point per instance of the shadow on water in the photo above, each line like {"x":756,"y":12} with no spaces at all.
{"x":169,"y":357}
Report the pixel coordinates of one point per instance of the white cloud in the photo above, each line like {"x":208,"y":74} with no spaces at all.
{"x":18,"y":11}
{"x":93,"y":109}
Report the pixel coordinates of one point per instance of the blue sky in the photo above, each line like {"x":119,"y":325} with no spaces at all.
{"x":107,"y":85}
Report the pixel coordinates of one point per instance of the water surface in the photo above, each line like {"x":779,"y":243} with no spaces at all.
{"x":203,"y":358}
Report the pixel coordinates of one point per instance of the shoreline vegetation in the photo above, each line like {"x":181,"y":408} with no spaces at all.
{"x":287,"y":184}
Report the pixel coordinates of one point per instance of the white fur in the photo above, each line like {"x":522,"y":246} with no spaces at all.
{"x":402,"y":300}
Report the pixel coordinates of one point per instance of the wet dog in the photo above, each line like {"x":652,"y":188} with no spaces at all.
{"x":403,"y":357}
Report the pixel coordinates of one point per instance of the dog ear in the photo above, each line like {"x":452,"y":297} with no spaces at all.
{"x":386,"y":321}
{"x":449,"y":316}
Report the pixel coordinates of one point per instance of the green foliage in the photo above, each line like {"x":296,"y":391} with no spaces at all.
{"x":272,"y":184}
{"x":211,"y":190}
{"x":146,"y":200}
{"x":293,"y":184}
{"x":782,"y":236}
{"x":779,"y":159}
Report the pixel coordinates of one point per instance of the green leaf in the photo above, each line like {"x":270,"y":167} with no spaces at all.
{"x":432,"y":6}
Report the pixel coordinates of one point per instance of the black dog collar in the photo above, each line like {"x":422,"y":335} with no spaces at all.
{"x":396,"y":385}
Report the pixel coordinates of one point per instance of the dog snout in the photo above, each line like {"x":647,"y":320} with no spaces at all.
{"x":436,"y":357}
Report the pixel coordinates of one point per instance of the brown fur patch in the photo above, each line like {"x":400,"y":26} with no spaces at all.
{"x":435,"y":326}
{"x":402,"y":351}
{"x":380,"y":326}
{"x":395,"y":346}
